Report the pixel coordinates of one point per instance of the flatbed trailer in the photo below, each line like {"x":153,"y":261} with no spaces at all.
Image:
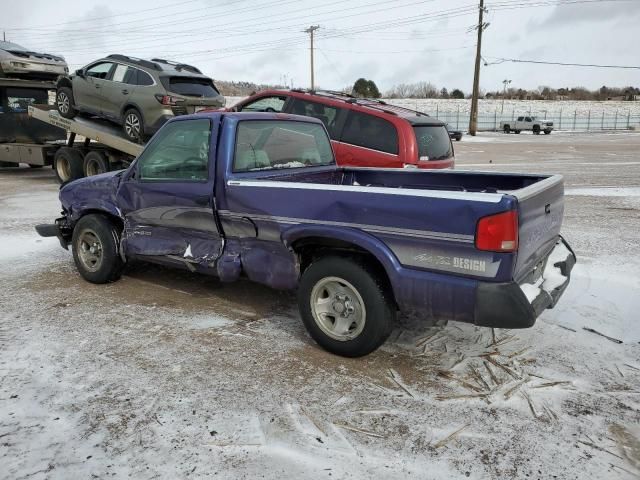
{"x":103,"y":149}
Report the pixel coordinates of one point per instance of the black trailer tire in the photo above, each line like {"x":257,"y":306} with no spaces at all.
{"x":337,"y":289}
{"x":133,"y":125}
{"x":64,"y":102}
{"x":95,"y":163}
{"x":95,"y":246}
{"x":506,"y":129}
{"x":68,"y":164}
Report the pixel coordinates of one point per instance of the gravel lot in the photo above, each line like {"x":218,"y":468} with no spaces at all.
{"x":168,"y":375}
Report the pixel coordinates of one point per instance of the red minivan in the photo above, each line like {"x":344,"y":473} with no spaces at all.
{"x":364,"y":132}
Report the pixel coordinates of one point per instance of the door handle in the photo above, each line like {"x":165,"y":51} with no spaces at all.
{"x":97,"y":86}
{"x":125,"y":91}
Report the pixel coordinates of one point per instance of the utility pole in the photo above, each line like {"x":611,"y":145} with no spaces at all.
{"x":310,"y":31}
{"x":505,"y":82}
{"x":473,"y":121}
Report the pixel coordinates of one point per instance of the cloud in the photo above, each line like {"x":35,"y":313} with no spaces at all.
{"x":570,"y":15}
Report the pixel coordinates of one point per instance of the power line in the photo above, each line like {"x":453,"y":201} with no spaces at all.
{"x":563,"y":64}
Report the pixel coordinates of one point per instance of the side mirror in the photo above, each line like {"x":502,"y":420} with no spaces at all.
{"x":80,"y":73}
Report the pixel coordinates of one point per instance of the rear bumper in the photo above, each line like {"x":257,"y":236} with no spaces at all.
{"x":509,"y":305}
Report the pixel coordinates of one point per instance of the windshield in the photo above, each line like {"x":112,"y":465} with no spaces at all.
{"x":433,"y":142}
{"x":190,"y":86}
{"x":270,"y":145}
{"x":11,"y":46}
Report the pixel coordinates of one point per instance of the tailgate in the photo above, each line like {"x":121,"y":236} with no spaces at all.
{"x":540,"y":211}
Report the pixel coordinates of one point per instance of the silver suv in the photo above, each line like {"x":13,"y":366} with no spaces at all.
{"x":140,"y":95}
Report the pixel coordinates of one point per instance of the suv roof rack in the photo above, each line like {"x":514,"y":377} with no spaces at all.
{"x":177,"y":66}
{"x":136,"y":61}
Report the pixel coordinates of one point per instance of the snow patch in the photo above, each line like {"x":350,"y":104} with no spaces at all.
{"x":604,"y":191}
{"x":187,"y":252}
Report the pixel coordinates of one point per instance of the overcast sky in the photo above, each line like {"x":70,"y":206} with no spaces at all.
{"x":401,"y":41}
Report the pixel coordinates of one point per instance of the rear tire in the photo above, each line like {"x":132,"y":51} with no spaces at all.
{"x":133,"y":125}
{"x":95,"y":163}
{"x":536,"y":129}
{"x":65,"y":103}
{"x":517,"y":132}
{"x":95,"y":246}
{"x":506,"y":129}
{"x":345,"y":306}
{"x":68,"y":163}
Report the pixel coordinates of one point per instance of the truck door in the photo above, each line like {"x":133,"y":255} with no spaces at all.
{"x":87,"y":89}
{"x":167,"y":196}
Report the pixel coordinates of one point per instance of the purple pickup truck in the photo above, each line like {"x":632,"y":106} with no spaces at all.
{"x":259,"y":195}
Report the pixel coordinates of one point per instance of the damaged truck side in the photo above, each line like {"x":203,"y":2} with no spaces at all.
{"x":259,"y":195}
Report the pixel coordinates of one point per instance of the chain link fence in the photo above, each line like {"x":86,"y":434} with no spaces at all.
{"x":569,"y":120}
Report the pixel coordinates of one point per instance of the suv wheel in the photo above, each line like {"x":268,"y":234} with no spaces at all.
{"x":64,"y":102}
{"x":133,"y":126}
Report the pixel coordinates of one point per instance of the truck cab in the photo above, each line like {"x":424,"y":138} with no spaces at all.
{"x":23,"y":139}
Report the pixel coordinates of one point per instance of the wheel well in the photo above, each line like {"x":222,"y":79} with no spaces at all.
{"x":312,"y":248}
{"x":64,"y":82}
{"x":130,"y":106}
{"x":112,"y":218}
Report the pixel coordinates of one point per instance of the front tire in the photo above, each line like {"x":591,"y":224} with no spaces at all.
{"x":65,"y":103}
{"x":95,"y":245}
{"x":345,"y":306}
{"x":133,"y":125}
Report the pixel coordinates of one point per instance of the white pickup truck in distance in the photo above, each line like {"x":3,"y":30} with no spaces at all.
{"x":527,"y":123}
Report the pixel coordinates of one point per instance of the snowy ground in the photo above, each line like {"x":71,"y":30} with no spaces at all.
{"x":169,"y":375}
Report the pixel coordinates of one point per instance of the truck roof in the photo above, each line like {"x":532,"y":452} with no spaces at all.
{"x":250,"y":116}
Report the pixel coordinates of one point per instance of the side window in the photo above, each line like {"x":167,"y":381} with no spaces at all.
{"x":269,"y":145}
{"x":326,"y":114}
{"x":520,"y":119}
{"x":527,"y":119}
{"x":19,"y":99}
{"x":179,"y":152}
{"x":370,"y":132}
{"x":131,"y":77}
{"x":265,"y":104}
{"x":120,"y":73}
{"x":99,"y":70}
{"x":144,"y":78}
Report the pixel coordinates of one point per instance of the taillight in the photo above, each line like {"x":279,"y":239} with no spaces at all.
{"x":167,"y":99}
{"x":498,"y":233}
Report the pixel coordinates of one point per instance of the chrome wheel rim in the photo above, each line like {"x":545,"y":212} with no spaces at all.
{"x":90,"y":250}
{"x":338,"y":308}
{"x":63,"y":169}
{"x":63,"y":102}
{"x":132,"y":125}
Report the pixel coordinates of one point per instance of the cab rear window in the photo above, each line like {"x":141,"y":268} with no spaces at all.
{"x":433,"y":142}
{"x":189,"y":86}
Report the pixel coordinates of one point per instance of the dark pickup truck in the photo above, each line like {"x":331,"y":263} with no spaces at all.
{"x":259,"y":195}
